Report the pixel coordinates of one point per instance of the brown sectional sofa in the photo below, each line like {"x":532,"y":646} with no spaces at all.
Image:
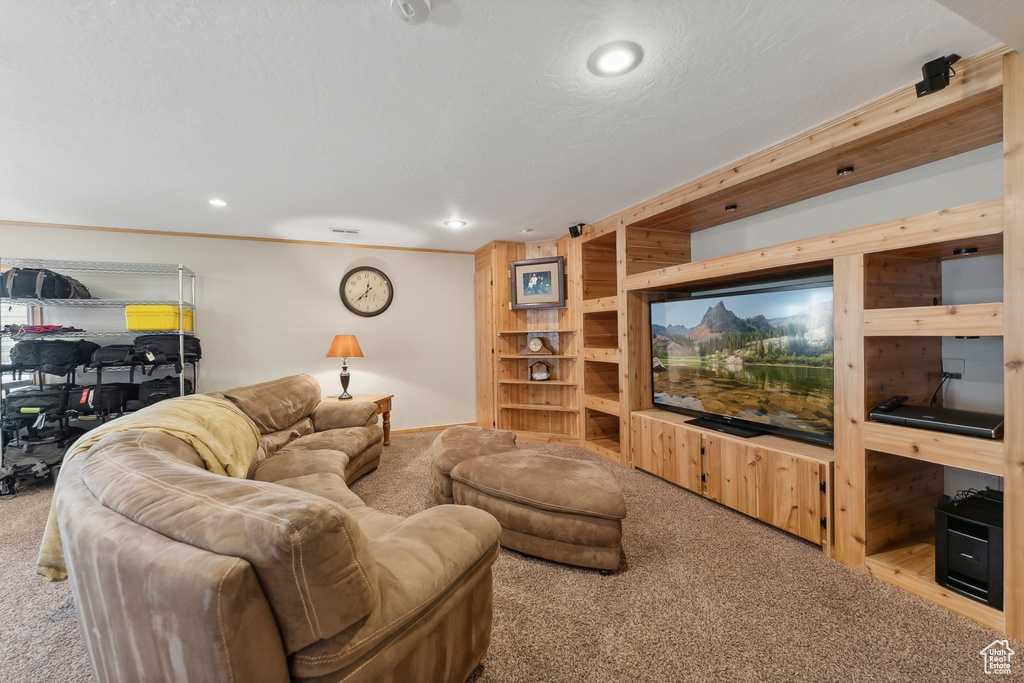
{"x":180,"y":574}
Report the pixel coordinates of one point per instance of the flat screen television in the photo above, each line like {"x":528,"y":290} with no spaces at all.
{"x":750,"y":360}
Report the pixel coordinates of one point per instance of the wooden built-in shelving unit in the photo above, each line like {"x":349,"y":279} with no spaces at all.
{"x":889,"y":324}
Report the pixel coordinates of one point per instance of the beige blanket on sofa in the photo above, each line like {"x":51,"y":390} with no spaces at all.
{"x":225,"y":438}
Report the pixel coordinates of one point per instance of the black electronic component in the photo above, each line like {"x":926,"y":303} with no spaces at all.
{"x":969,"y":547}
{"x":891,"y":403}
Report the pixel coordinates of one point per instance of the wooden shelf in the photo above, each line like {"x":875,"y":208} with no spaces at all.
{"x":605,"y":303}
{"x":910,"y":565}
{"x":606,"y":446}
{"x":983,"y":320}
{"x":601,"y":355}
{"x":537,"y":356}
{"x":605,"y":404}
{"x":538,"y":406}
{"x":535,"y":383}
{"x":966,"y":452}
{"x":545,"y":437}
{"x":502,"y":333}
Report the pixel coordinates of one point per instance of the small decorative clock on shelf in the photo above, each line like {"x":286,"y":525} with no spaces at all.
{"x":536,"y":346}
{"x":366,"y":291}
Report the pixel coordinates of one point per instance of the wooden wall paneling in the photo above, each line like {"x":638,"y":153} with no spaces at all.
{"x":651,"y":249}
{"x":485,"y":331}
{"x":901,"y":366}
{"x":601,"y":379}
{"x":1013,"y":341}
{"x":598,"y":228}
{"x":574,"y":266}
{"x":637,"y":359}
{"x":902,"y":495}
{"x":897,"y":282}
{"x":907,"y":144}
{"x":961,"y":223}
{"x":601,"y":330}
{"x":848,"y":473}
{"x":977,"y":76}
{"x":603,"y":428}
{"x":623,"y":342}
{"x":600,"y":277}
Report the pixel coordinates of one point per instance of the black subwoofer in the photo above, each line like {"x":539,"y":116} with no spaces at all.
{"x":969,"y":547}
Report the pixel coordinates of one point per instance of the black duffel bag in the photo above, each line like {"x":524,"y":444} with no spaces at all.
{"x":112,"y":397}
{"x":112,"y":354}
{"x":162,"y":349}
{"x":156,"y":390}
{"x":40,"y":283}
{"x":54,"y":357}
{"x":30,"y":402}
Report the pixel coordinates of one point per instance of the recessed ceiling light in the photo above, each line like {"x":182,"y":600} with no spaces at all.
{"x":844,"y":171}
{"x":220,"y":203}
{"x":526,"y":230}
{"x":455,"y":224}
{"x":615,"y":59}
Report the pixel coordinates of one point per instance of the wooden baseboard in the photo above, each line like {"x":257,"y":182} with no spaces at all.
{"x":437,"y":428}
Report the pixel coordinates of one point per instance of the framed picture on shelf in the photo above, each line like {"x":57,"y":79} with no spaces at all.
{"x":538,"y":283}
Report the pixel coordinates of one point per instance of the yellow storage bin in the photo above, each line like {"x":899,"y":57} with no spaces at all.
{"x":155,"y":318}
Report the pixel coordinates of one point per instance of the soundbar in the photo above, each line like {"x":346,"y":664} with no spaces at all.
{"x":965,"y":422}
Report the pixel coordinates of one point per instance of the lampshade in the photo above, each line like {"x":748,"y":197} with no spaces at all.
{"x":345,"y":346}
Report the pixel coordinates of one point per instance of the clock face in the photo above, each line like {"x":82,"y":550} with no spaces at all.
{"x":535,"y":344}
{"x":366,"y":291}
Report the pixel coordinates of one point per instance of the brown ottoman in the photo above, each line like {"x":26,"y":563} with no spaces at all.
{"x":564,"y":510}
{"x":459,"y":443}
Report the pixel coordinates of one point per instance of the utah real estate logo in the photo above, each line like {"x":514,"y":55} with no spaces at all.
{"x":997,"y":657}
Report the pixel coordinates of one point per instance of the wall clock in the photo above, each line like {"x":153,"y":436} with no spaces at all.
{"x":366,"y":291}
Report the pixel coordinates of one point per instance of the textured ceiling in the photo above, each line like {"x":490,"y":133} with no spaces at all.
{"x":312,"y":115}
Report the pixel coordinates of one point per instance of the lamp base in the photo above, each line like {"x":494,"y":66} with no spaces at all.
{"x":345,"y":377}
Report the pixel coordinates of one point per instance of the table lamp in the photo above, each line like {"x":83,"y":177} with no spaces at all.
{"x":344,"y":347}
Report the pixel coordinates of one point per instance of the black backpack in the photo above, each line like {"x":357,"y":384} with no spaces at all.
{"x":162,"y":349}
{"x":40,"y":283}
{"x":54,"y":357}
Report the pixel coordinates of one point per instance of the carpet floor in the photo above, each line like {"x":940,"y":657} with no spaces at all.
{"x":703,"y":594}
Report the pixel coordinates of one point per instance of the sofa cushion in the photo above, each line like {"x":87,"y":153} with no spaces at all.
{"x":277,"y":404}
{"x":372,"y":522}
{"x":278,"y":467}
{"x":352,"y":440}
{"x":462,"y":442}
{"x":274,"y":441}
{"x":545,"y":482}
{"x":309,"y":554}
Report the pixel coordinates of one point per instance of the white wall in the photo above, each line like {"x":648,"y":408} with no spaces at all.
{"x":965,"y":179}
{"x":266,"y":310}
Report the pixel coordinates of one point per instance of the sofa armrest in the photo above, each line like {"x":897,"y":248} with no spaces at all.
{"x":429,"y":551}
{"x":422,"y":565}
{"x":341,"y":414}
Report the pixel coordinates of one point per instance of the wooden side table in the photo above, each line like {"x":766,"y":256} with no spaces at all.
{"x":383,"y":402}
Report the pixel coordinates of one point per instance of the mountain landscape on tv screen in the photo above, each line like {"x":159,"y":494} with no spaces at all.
{"x":775,"y":371}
